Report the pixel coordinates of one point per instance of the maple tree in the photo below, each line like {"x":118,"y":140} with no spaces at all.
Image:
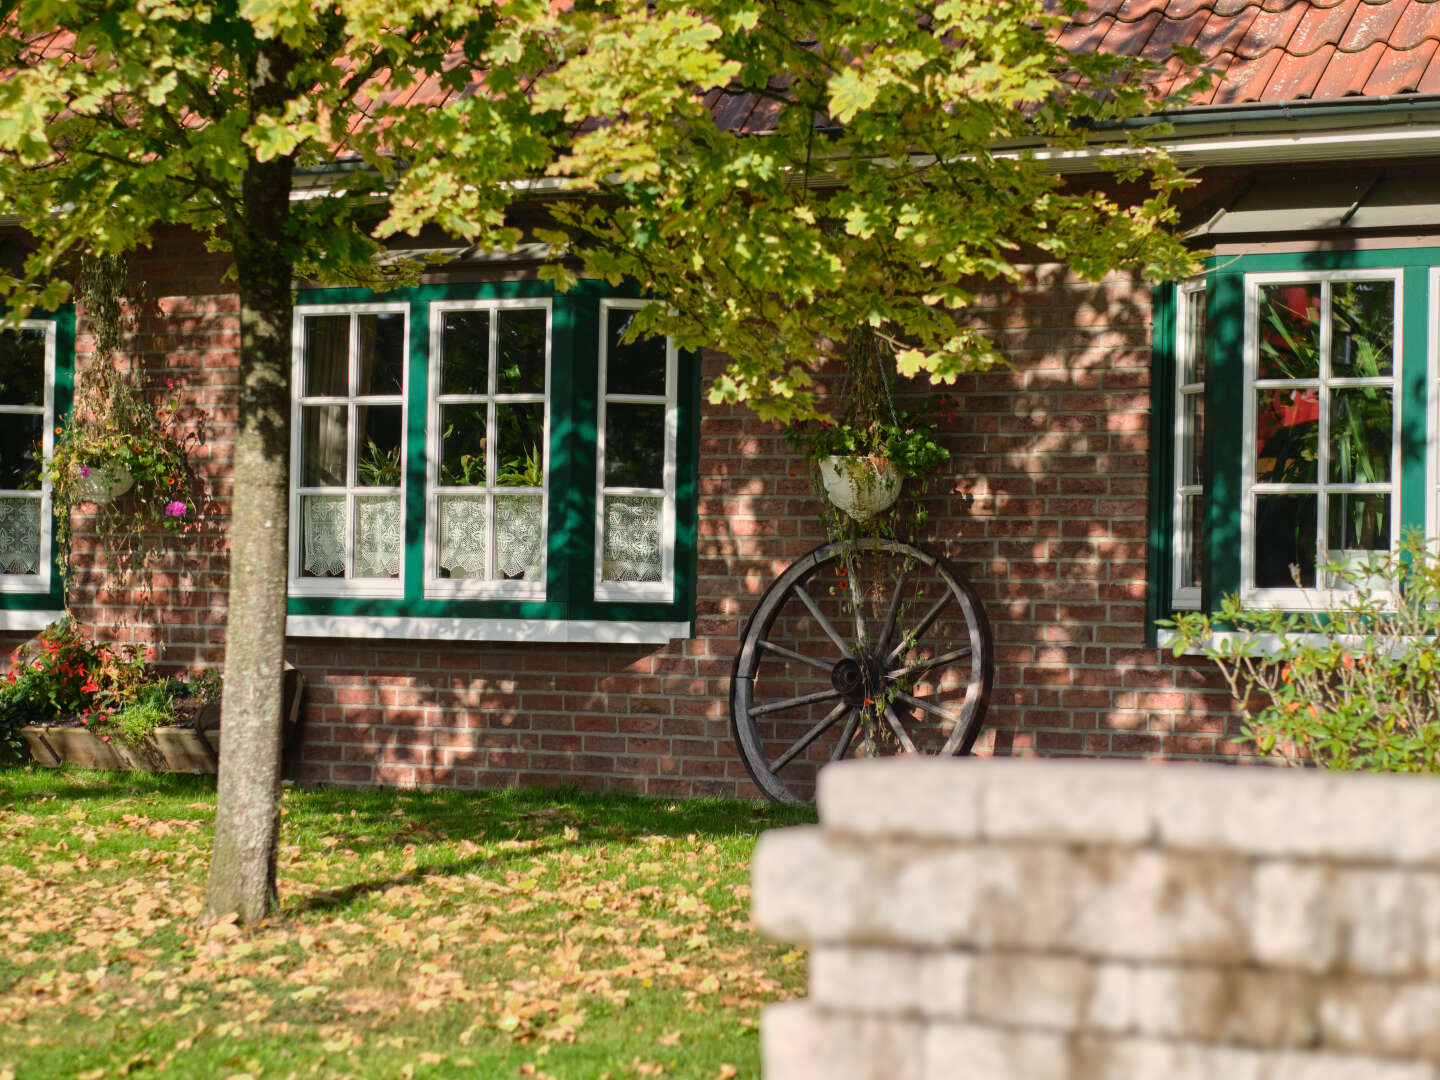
{"x":872,"y":195}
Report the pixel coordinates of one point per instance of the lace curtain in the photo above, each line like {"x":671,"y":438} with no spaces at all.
{"x":19,"y":535}
{"x":519,"y":536}
{"x":464,"y":531}
{"x":632,"y":550}
{"x":377,"y":535}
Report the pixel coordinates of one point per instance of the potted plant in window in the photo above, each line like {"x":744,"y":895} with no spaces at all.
{"x":117,"y":440}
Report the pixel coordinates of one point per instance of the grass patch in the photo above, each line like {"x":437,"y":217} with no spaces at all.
{"x":421,"y":934}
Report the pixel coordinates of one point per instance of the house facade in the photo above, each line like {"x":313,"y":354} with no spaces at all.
{"x":524,"y":551}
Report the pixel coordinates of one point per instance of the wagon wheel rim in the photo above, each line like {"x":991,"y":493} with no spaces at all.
{"x":872,"y":674}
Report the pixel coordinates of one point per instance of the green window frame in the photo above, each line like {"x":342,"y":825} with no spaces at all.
{"x":1238,"y":296}
{"x":564,"y":601}
{"x":31,"y":599}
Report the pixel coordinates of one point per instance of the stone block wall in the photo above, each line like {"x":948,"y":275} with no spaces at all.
{"x":1033,"y":920}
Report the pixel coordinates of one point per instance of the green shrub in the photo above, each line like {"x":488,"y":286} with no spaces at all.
{"x":1354,"y":684}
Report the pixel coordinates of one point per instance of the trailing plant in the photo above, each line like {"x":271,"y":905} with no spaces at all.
{"x":526,"y":471}
{"x":1352,"y":684}
{"x":115,"y":432}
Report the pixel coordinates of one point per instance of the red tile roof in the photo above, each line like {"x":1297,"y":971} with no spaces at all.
{"x":1276,"y":50}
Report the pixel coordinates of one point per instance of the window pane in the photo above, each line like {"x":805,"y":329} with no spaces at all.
{"x":322,"y":445}
{"x":19,"y":535}
{"x":1362,"y":325}
{"x":632,"y":538}
{"x":635,"y":445}
{"x":462,"y":445}
{"x":327,"y":355}
{"x":381,"y":366}
{"x":322,"y":535}
{"x":379,"y":457}
{"x":1193,"y":468}
{"x":1290,"y":331}
{"x":466,"y":346}
{"x":521,"y":351}
{"x":1360,"y":435}
{"x":464,"y":536}
{"x":1359,"y":522}
{"x":1284,"y":536}
{"x":22,"y":367}
{"x":21,"y":450}
{"x":1194,"y":523}
{"x":637,"y":368}
{"x":377,"y":536}
{"x":1195,"y":355}
{"x":1287,"y":436}
{"x":519,"y":537}
{"x":521,"y":433}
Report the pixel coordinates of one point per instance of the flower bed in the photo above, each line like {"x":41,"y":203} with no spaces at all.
{"x":68,"y":698}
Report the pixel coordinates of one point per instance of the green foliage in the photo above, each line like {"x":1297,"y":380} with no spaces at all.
{"x":378,"y":467}
{"x":527,"y":471}
{"x":909,"y":445}
{"x":64,"y":675}
{"x":1353,"y":685}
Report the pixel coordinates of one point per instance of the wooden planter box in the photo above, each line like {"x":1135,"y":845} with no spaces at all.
{"x":169,"y":749}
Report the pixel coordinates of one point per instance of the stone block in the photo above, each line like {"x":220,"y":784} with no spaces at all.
{"x":982,"y":1052}
{"x":1226,"y":1005}
{"x":1382,"y":1017}
{"x":861,"y":797}
{"x":801,"y":1041}
{"x":807,"y":887}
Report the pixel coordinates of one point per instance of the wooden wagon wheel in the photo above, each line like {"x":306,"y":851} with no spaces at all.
{"x":859,"y":649}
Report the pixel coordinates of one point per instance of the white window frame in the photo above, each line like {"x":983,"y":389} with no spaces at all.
{"x":1296,"y":598}
{"x":40,"y":581}
{"x":1432,"y":410}
{"x":347,"y":585}
{"x":664,"y":589}
{"x":1185,"y":597}
{"x":437,"y":587}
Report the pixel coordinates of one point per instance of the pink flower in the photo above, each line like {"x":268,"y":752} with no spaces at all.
{"x":84,"y":470}
{"x":175,"y":509}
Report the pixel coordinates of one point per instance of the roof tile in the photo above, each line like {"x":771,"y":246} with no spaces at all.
{"x":1419,"y":22}
{"x":1348,"y":72}
{"x":1176,"y":32}
{"x":1297,"y":76}
{"x":1087,"y":37}
{"x":1246,"y":80}
{"x":1222,"y":34}
{"x":1372,"y":22}
{"x":1230,"y":8}
{"x":1130,"y":38}
{"x":1269,"y":30}
{"x":1400,"y":70}
{"x":1430,"y":82}
{"x":1183,"y":9}
{"x":1096,"y":9}
{"x":1322,"y":26}
{"x":1280,"y":5}
{"x":1134,"y":10}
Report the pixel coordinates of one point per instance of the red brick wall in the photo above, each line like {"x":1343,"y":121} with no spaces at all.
{"x":1045,"y":508}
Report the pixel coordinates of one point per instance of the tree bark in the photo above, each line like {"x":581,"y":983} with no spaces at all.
{"x":247,"y":817}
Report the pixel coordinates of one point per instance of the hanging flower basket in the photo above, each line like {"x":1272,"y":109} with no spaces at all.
{"x":100,"y":484}
{"x":860,"y":486}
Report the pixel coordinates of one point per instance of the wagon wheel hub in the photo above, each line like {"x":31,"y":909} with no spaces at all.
{"x":857,"y":680}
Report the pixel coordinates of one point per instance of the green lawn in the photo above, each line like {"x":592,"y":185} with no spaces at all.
{"x":491,"y":934}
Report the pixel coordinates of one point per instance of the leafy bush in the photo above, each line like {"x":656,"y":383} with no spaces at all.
{"x":1352,"y":685}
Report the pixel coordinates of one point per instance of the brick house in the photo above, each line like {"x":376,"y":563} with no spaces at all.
{"x":571,"y":613}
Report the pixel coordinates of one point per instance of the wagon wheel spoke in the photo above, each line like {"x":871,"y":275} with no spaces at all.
{"x":856,"y":602}
{"x":919,"y":630}
{"x":791,"y":654}
{"x":810,"y":736}
{"x":819,"y":617}
{"x":957,"y":732}
{"x":906,"y":743}
{"x":962,"y":653}
{"x":846,"y":737}
{"x":794,"y":702}
{"x":887,"y":631}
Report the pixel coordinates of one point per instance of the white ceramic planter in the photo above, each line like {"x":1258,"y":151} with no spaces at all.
{"x":104,"y":483}
{"x":860,"y":486}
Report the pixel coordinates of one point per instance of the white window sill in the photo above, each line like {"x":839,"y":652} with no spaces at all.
{"x":28,"y":620}
{"x":1266,"y":644}
{"x":539,"y":631}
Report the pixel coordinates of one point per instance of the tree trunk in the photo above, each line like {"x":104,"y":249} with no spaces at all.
{"x":247,"y":817}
